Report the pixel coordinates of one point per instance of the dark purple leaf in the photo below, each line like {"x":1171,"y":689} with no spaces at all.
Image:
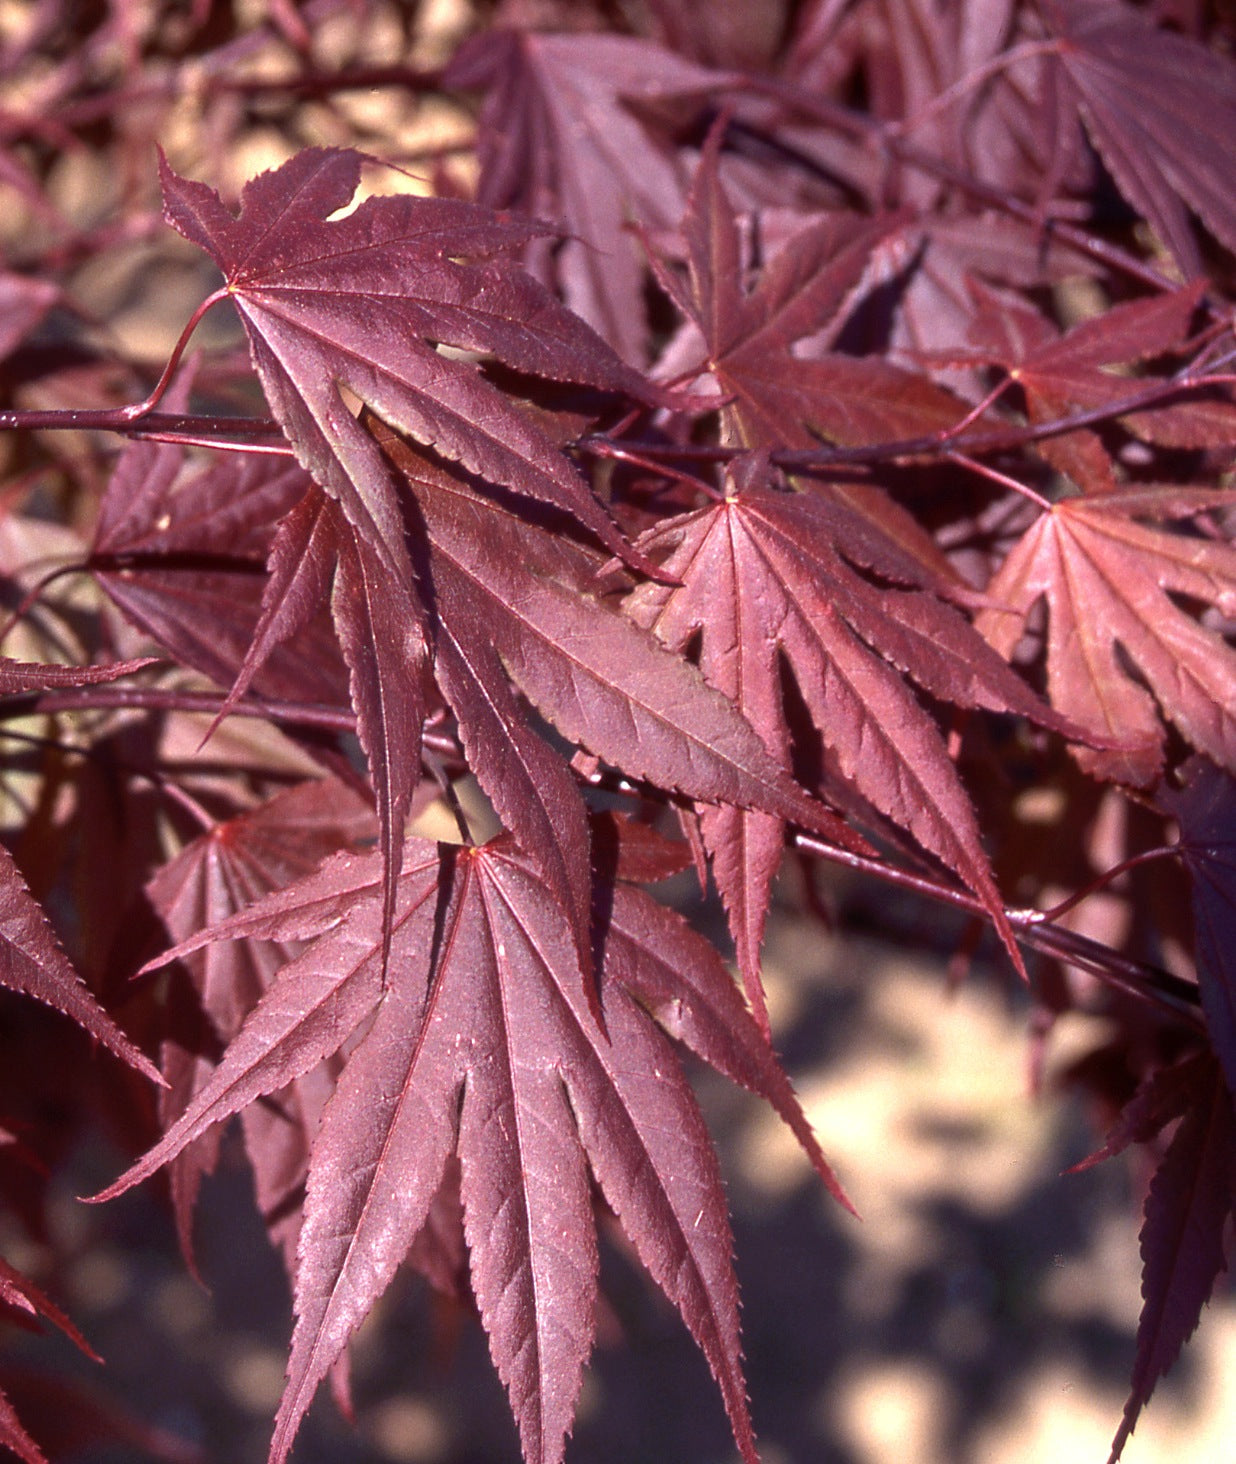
{"x":356,"y":305}
{"x":1161,"y":111}
{"x":1191,"y":1199}
{"x":560,"y":140}
{"x":182,"y":550}
{"x":31,"y":961}
{"x":485,"y":996}
{"x":1206,"y":810}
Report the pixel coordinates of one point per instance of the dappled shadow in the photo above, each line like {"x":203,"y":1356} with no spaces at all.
{"x":915,"y":1334}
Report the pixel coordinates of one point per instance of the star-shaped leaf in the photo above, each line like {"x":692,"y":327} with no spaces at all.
{"x":759,"y":583}
{"x":778,"y":397}
{"x":1108,"y":579}
{"x":483,"y":1040}
{"x":358,"y":305}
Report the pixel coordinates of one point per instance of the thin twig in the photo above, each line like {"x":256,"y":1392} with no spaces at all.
{"x":1138,"y":979}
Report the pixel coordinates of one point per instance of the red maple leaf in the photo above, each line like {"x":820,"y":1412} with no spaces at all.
{"x":352,"y":309}
{"x":774,"y":396}
{"x":761,"y":583}
{"x":1108,"y":580}
{"x":1059,"y":374}
{"x":514,"y":601}
{"x":561,"y":139}
{"x":484,"y":1040}
{"x":211,"y":878}
{"x":1161,"y":112}
{"x":358,"y":304}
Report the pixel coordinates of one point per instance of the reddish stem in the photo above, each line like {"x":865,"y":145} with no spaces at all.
{"x":1135,"y":978}
{"x":604,"y":448}
{"x":1164,"y":851}
{"x":1003,"y":479}
{"x":938,"y":443}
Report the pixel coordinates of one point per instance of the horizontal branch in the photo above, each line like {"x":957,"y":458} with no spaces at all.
{"x":934,"y":445}
{"x":1139,"y":979}
{"x":120,"y":697}
{"x":117,"y":696}
{"x":124,"y":420}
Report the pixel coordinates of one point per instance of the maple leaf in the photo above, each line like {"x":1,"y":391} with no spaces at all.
{"x":1190,"y":1198}
{"x":601,"y":680}
{"x":32,"y":962}
{"x":17,"y":677}
{"x":1062,"y":373}
{"x":758,"y":583}
{"x":1204,"y":807}
{"x":559,"y":139}
{"x":1161,"y":1098}
{"x":1190,"y":1201}
{"x":485,"y":997}
{"x":513,"y":600}
{"x":1160,"y":110}
{"x":359,"y":303}
{"x":212,"y":877}
{"x":384,"y":638}
{"x":774,"y":397}
{"x":163,"y":549}
{"x":1108,"y":580}
{"x":23,"y":1302}
{"x":301,"y":562}
{"x":180,"y":551}
{"x":15,"y":1438}
{"x":679,"y":977}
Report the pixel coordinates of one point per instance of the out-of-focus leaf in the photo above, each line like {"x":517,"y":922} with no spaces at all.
{"x":1108,"y":581}
{"x":1161,"y":110}
{"x":32,"y":962}
{"x":561,"y":139}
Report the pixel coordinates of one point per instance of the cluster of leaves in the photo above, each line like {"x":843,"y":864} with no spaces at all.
{"x":777,"y":425}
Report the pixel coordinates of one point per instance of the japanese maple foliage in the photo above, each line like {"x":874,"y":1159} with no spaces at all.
{"x":811,"y":432}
